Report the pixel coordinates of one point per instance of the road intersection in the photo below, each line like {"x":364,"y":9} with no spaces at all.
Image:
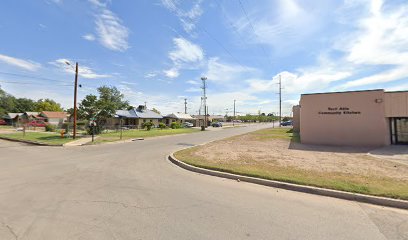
{"x":131,"y":191}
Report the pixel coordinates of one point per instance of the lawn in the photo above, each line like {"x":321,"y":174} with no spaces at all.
{"x":130,"y":134}
{"x":276,"y":154}
{"x":40,"y":137}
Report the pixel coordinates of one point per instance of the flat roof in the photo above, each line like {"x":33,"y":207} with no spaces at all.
{"x":372,"y":90}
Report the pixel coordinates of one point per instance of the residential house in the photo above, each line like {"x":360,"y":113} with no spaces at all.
{"x":135,"y":117}
{"x":13,"y":118}
{"x":179,"y":118}
{"x":30,"y":116}
{"x":54,"y":118}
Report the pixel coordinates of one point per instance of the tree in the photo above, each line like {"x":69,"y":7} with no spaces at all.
{"x":103,"y":107}
{"x":47,"y":105}
{"x":24,"y":105}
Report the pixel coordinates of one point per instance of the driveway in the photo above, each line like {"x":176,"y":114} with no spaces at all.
{"x":130,"y":191}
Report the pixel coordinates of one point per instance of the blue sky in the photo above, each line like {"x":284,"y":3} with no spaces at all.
{"x":157,"y":50}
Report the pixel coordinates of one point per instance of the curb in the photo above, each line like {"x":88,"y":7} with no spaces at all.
{"x":31,"y":142}
{"x":382,"y":201}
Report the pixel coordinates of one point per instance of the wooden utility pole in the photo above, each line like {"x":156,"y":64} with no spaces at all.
{"x":75,"y":100}
{"x":185,"y":105}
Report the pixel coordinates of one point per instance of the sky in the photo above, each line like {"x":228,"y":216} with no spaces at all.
{"x":156,"y":51}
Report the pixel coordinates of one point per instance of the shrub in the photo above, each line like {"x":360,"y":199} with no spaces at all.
{"x":147,"y":125}
{"x":175,"y":125}
{"x":162,"y":125}
{"x":50,"y":128}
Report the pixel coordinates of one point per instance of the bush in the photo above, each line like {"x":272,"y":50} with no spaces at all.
{"x":162,"y":125}
{"x":147,"y":125}
{"x":50,"y":128}
{"x":175,"y":125}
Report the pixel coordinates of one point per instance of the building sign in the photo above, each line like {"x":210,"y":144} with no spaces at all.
{"x":339,"y":111}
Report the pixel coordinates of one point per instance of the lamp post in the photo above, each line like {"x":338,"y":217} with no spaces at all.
{"x":205,"y":101}
{"x":75,"y":98}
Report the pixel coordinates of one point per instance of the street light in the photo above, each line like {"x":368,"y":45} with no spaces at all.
{"x":75,"y":97}
{"x":205,"y":101}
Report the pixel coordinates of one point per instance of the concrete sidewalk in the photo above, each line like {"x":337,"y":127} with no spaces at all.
{"x":79,"y":142}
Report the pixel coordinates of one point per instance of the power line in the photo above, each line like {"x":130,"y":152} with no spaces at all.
{"x":32,"y":83}
{"x":241,"y":38}
{"x":32,"y":77}
{"x":222,"y":46}
{"x":253,"y":29}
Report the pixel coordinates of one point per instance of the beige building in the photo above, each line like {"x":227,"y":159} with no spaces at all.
{"x":355,"y":118}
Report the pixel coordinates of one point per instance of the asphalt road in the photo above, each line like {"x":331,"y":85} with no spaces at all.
{"x":130,"y":191}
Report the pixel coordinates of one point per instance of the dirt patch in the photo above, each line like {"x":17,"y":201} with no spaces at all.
{"x":248,"y":149}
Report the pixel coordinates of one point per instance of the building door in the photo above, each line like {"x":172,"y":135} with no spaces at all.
{"x":399,"y":130}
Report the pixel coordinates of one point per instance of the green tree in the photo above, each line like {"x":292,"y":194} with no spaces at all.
{"x":24,"y":105}
{"x":103,"y":107}
{"x":47,"y":105}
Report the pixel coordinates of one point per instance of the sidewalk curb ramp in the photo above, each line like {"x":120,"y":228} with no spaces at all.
{"x":381,"y":201}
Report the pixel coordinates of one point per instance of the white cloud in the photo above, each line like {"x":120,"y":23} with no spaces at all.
{"x":89,"y":37}
{"x":381,"y":39}
{"x":189,"y":17}
{"x":184,"y":55}
{"x":112,"y":34}
{"x":150,"y":75}
{"x":20,"y":63}
{"x":97,"y":3}
{"x":185,"y":51}
{"x":280,"y":24}
{"x":224,"y":72}
{"x":192,"y":82}
{"x":171,"y":73}
{"x":83,"y":71}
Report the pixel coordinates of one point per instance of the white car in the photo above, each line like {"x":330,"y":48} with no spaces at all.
{"x":187,"y":125}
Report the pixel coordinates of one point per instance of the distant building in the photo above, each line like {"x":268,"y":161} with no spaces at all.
{"x":355,"y":118}
{"x":13,"y":118}
{"x":210,"y":119}
{"x":179,"y":118}
{"x":135,"y":117}
{"x":54,"y":118}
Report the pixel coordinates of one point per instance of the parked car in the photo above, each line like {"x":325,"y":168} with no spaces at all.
{"x":2,"y":122}
{"x":187,"y":125}
{"x":36,"y":123}
{"x":286,"y":123}
{"x":216,"y":124}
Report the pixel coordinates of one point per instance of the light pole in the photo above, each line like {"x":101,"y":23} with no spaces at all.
{"x":75,"y":98}
{"x":233,"y":120}
{"x":205,"y":101}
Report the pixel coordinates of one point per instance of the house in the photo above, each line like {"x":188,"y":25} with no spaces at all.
{"x":134,"y":118}
{"x":54,"y":118}
{"x":30,"y":116}
{"x":210,"y":119}
{"x":13,"y":118}
{"x":179,"y":118}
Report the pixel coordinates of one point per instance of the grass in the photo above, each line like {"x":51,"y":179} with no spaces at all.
{"x":371,"y":184}
{"x":6,"y":127}
{"x":130,"y":134}
{"x":39,"y":137}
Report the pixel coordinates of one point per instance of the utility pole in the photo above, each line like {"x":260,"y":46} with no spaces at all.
{"x":280,"y":100}
{"x":185,"y":105}
{"x":75,"y":100}
{"x":233,"y":120}
{"x":205,"y":100}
